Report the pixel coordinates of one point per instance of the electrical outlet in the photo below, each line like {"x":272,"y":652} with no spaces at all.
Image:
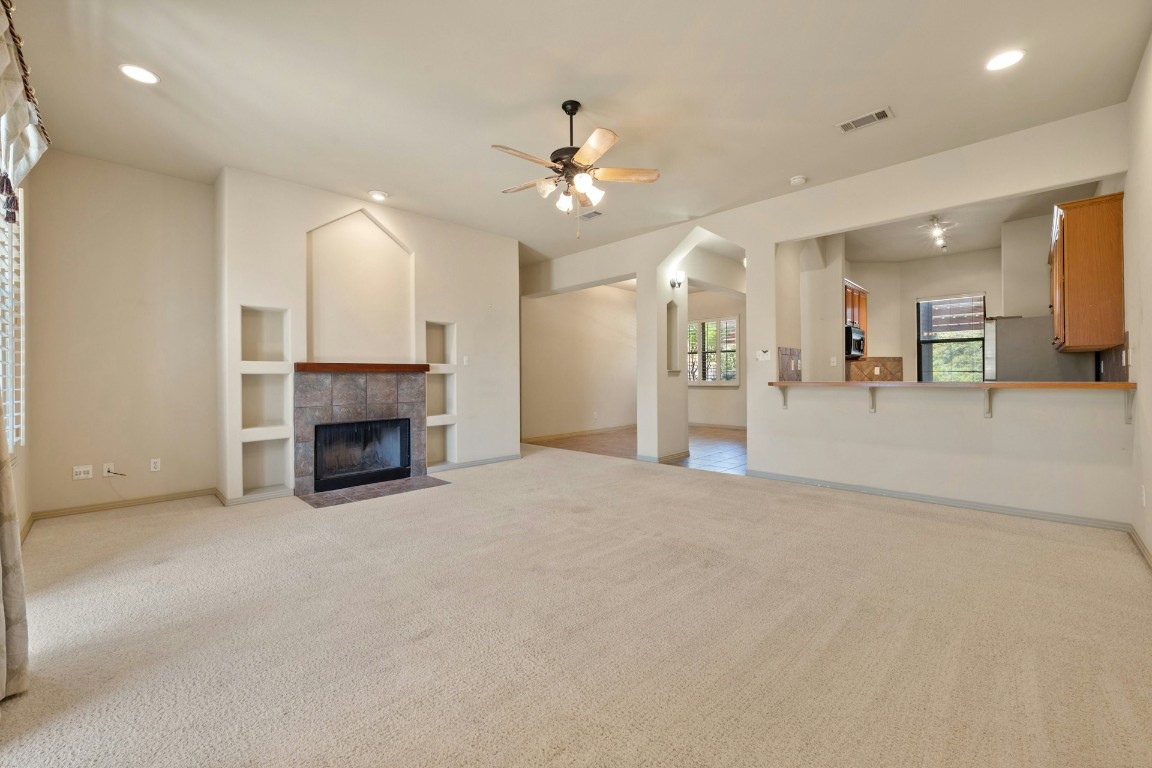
{"x":876,"y":371}
{"x":109,"y":469}
{"x":833,"y":362}
{"x":154,"y":465}
{"x":82,"y":472}
{"x":595,"y":415}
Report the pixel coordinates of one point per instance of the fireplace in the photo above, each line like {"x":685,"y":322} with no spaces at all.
{"x":361,"y":452}
{"x":345,"y":397}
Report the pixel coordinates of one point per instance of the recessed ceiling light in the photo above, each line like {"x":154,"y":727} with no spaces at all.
{"x":1003,"y":60}
{"x":139,"y":74}
{"x":798,"y":181}
{"x":378,"y":196}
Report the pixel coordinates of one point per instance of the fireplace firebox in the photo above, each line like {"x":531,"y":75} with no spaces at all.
{"x":360,"y":452}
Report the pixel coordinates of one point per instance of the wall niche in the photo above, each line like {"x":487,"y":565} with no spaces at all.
{"x":360,"y":294}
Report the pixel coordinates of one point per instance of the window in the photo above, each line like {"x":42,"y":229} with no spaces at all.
{"x":951,"y":339}
{"x":12,"y":326}
{"x":714,"y":351}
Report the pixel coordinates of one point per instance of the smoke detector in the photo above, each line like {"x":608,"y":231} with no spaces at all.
{"x":864,"y":120}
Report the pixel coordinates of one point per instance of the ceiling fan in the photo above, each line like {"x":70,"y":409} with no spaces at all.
{"x":574,"y":169}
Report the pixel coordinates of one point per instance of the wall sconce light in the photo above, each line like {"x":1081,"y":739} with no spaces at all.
{"x":677,"y":280}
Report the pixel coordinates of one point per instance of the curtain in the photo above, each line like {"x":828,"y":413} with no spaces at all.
{"x":22,"y":136}
{"x":14,"y":642}
{"x":22,"y":141}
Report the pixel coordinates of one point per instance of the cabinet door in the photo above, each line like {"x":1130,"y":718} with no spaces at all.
{"x":1057,"y":259}
{"x":1093,"y":287}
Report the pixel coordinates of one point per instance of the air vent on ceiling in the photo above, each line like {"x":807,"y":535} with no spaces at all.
{"x":591,"y":215}
{"x":868,"y":119}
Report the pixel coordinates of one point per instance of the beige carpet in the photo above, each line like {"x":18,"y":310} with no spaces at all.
{"x":579,"y":610}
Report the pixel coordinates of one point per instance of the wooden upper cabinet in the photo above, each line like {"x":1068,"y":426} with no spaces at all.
{"x":856,"y":309}
{"x":1087,"y":260}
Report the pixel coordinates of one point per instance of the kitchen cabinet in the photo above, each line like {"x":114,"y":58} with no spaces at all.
{"x":856,"y":308}
{"x":1087,"y":261}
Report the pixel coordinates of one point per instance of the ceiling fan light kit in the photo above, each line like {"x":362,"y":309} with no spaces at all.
{"x":575,"y":170}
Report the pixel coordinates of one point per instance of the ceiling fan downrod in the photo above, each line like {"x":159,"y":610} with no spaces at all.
{"x":571,"y":107}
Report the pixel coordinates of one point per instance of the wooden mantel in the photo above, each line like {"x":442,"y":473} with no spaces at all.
{"x":362,"y":367}
{"x":987,"y":387}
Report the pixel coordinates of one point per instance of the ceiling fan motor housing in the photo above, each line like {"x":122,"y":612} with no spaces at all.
{"x":564,"y":155}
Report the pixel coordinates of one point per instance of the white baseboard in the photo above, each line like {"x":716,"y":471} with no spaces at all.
{"x":1035,"y":514}
{"x":544,"y":438}
{"x":479,"y":462}
{"x":65,"y":512}
{"x":1140,"y":545}
{"x":663,"y":459}
{"x":741,"y":427}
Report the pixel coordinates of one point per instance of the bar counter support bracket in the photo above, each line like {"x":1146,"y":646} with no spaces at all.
{"x":783,"y":397}
{"x":871,"y":399}
{"x":987,"y":402}
{"x":1129,"y":396}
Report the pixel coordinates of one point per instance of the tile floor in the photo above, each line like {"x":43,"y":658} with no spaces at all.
{"x":715,"y":449}
{"x":371,"y":491}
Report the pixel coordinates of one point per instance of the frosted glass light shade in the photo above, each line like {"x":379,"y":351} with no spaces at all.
{"x":546,"y":186}
{"x":564,"y":203}
{"x":582,"y":182}
{"x":595,"y":194}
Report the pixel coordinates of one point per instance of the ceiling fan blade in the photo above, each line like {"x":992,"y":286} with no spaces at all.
{"x":598,"y":143}
{"x":525,"y":185}
{"x":583,"y":199}
{"x":526,"y":156}
{"x":640,"y":175}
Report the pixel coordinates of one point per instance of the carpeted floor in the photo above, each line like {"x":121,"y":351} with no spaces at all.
{"x":579,"y":610}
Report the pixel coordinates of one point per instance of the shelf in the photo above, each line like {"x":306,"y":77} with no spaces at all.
{"x":265,"y":366}
{"x":987,"y":387}
{"x":361,"y":367}
{"x":440,"y":343}
{"x":264,"y":399}
{"x":442,"y":420}
{"x":440,"y":394}
{"x":960,"y":384}
{"x":265,"y":492}
{"x":263,"y":334}
{"x":266,"y":471}
{"x":268,"y":432}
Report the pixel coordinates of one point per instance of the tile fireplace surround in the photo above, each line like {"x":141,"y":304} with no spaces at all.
{"x":331,"y":393}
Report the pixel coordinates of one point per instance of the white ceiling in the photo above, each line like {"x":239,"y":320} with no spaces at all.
{"x":728,"y":99}
{"x":968,"y":228}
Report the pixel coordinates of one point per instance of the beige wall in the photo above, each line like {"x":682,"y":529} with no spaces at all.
{"x":1024,"y":247}
{"x":1138,"y":273}
{"x":359,"y":294}
{"x":121,"y":332}
{"x":822,"y":309}
{"x":882,"y":281}
{"x":578,"y":361}
{"x":788,"y":295}
{"x":723,"y":406}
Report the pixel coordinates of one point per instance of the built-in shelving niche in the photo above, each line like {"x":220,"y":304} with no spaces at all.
{"x":263,"y":334}
{"x":440,"y":388}
{"x":265,"y":402}
{"x":265,"y":467}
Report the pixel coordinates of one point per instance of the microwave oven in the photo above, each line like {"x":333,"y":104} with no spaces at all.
{"x":853,"y":341}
